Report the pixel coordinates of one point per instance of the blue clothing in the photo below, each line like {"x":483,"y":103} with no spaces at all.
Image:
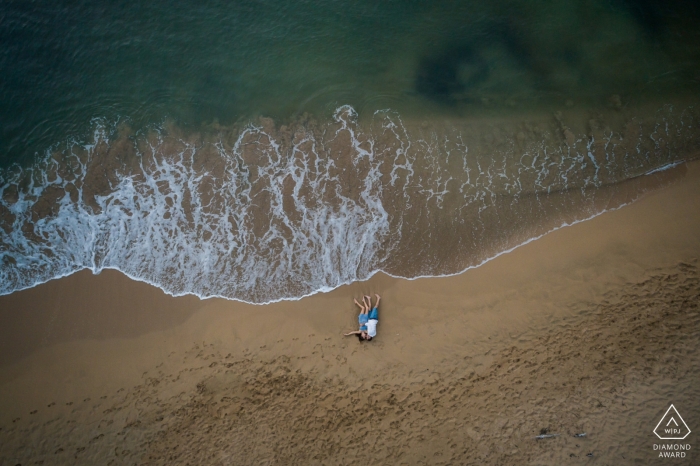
{"x":362,"y":319}
{"x":374,"y":314}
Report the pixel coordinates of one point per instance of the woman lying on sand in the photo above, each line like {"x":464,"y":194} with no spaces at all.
{"x":368,"y":319}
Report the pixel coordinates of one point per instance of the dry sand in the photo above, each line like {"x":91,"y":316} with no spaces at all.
{"x":594,"y":328}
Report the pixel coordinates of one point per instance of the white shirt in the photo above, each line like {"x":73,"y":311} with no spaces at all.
{"x":372,"y":327}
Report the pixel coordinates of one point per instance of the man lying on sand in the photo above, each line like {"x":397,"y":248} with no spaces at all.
{"x":368,"y":319}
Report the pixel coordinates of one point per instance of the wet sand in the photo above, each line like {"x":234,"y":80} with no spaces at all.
{"x":259,"y":213}
{"x":593,"y":328}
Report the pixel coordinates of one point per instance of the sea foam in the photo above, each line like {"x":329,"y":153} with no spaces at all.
{"x":262,"y":213}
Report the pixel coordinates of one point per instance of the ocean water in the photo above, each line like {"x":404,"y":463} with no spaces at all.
{"x":269,"y":150}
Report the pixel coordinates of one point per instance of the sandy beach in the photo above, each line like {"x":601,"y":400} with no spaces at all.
{"x":192,"y":197}
{"x":593,"y":329}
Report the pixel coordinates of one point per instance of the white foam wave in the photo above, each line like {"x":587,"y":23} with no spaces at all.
{"x":268,"y":215}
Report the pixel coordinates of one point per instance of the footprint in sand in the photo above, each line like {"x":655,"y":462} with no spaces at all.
{"x":34,"y":412}
{"x":51,"y":404}
{"x":69,"y":403}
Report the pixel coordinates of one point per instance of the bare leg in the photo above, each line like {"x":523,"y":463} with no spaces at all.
{"x":376,"y":305}
{"x":368,"y":302}
{"x":361,"y":306}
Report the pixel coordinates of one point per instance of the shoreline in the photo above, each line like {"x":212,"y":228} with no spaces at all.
{"x":671,"y":166}
{"x":100,"y":217}
{"x":442,"y":371}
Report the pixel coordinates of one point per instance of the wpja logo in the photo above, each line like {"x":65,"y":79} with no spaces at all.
{"x":672,"y":427}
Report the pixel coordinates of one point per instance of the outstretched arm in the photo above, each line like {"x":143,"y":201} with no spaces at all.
{"x":356,"y":332}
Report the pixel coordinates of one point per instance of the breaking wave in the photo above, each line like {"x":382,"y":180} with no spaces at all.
{"x":266,"y":212}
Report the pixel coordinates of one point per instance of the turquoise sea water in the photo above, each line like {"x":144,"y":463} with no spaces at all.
{"x":264,"y":150}
{"x":65,"y":63}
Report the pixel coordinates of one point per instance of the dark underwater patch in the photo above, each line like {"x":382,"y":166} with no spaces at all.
{"x":453,"y":73}
{"x":647,"y":13}
{"x":440,"y":77}
{"x":654,"y":16}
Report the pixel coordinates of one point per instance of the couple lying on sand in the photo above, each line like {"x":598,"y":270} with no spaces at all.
{"x":368,"y":319}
